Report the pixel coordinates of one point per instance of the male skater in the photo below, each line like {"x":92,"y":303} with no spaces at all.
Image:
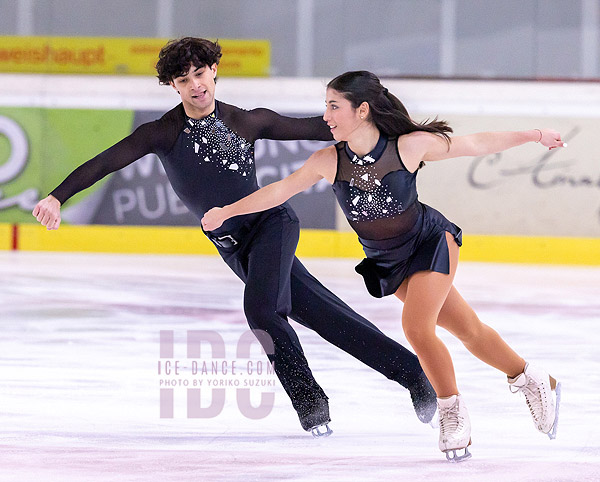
{"x":207,"y":149}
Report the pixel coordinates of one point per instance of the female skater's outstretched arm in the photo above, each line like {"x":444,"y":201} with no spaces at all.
{"x":415,"y":147}
{"x":322,"y":164}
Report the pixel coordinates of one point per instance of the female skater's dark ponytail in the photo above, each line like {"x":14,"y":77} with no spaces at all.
{"x":386,"y":111}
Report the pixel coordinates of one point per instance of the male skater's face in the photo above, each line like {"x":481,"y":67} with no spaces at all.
{"x":197,"y":90}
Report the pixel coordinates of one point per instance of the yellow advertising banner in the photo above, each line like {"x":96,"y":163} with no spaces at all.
{"x":119,"y":56}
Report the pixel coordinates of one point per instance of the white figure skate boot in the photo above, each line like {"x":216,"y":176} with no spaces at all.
{"x":455,"y":428}
{"x":542,"y":394}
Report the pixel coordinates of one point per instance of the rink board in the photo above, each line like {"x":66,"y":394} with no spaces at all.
{"x":6,"y":236}
{"x":313,"y":243}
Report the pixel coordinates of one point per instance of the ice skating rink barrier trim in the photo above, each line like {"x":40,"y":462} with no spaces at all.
{"x":313,"y":243}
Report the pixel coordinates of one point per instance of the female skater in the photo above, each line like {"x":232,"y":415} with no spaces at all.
{"x":411,"y":249}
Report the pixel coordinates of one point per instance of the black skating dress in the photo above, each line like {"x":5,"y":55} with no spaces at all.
{"x":400,"y":235}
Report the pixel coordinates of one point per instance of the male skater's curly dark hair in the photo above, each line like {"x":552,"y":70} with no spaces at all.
{"x":176,"y":58}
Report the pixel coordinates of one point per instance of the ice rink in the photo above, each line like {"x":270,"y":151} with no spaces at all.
{"x":80,"y":388}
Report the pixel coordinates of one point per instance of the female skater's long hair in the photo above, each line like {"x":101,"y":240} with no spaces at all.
{"x":386,"y":111}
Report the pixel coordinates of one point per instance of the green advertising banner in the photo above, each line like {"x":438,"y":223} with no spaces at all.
{"x":39,"y":147}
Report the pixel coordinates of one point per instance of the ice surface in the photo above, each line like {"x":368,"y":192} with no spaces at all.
{"x":79,"y":388}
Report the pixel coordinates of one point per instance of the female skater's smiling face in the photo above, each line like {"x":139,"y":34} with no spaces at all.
{"x":341,"y":117}
{"x":197,"y":90}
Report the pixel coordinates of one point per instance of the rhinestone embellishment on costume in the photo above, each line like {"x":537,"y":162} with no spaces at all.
{"x":213,"y":142}
{"x":370,"y":199}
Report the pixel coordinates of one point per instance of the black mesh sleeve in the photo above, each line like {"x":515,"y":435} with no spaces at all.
{"x":278,"y":127}
{"x":144,"y":140}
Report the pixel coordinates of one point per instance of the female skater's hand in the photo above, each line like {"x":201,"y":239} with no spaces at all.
{"x":213,"y":219}
{"x":47,"y":212}
{"x":551,"y":139}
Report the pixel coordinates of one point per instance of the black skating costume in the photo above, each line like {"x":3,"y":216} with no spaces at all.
{"x":399,"y":234}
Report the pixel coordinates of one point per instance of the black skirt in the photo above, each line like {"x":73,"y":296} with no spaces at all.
{"x":424,"y":248}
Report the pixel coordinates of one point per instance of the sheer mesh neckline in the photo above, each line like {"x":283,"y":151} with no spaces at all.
{"x":213,"y":115}
{"x":372,"y":156}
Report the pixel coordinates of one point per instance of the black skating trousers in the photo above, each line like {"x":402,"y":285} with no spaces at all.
{"x":278,"y":286}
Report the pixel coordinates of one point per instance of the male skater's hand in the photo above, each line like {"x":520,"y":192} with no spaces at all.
{"x":47,"y":212}
{"x":213,"y":219}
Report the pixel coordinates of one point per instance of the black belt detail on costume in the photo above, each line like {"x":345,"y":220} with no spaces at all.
{"x":226,"y":241}
{"x":233,"y":238}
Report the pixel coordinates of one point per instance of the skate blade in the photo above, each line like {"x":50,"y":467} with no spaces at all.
{"x":435,"y":420}
{"x":455,"y":458}
{"x":552,"y":433}
{"x":321,"y":431}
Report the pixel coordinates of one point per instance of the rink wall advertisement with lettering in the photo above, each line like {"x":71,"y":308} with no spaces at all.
{"x":527,"y":190}
{"x":121,"y":56}
{"x":40,"y":147}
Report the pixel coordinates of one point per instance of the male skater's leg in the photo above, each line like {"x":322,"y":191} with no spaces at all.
{"x":267,"y":301}
{"x":317,"y":308}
